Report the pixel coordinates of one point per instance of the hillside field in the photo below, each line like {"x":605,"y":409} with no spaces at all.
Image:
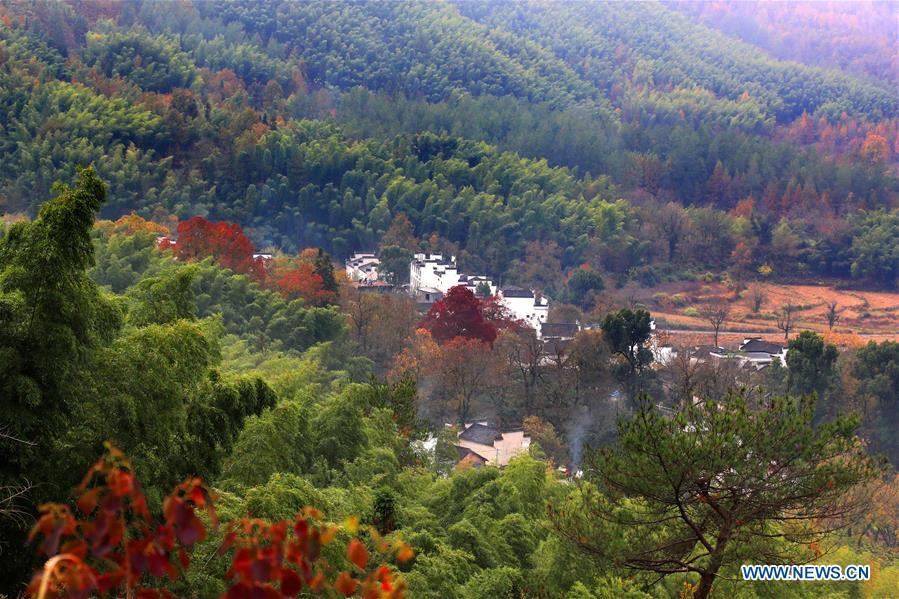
{"x":863,"y":315}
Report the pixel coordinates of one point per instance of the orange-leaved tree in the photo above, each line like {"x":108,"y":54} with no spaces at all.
{"x":308,"y":276}
{"x":114,"y":546}
{"x":225,"y":243}
{"x":453,"y":378}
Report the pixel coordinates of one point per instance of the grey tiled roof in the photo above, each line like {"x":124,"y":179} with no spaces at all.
{"x":478,"y":433}
{"x":761,"y":346}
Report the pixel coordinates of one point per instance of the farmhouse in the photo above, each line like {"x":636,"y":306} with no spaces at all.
{"x":753,"y":352}
{"x":480,"y":444}
{"x":526,"y":306}
{"x":761,"y":353}
{"x":433,"y":271}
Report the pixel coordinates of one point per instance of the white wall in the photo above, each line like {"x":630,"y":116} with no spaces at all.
{"x":528,"y":310}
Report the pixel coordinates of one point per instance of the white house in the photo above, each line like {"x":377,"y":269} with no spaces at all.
{"x":526,"y":306}
{"x":362,"y":267}
{"x":475,"y":282}
{"x":433,"y":271}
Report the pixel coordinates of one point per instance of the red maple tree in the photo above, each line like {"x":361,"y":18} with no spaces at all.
{"x":225,"y":243}
{"x":461,"y":314}
{"x":301,"y":282}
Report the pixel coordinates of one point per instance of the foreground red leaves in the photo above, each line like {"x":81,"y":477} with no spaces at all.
{"x":117,"y":548}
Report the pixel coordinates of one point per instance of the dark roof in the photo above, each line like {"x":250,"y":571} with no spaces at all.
{"x":464,"y":451}
{"x":559,"y":330}
{"x":761,"y":346}
{"x":372,"y":286}
{"x":478,"y":433}
{"x":517,"y":292}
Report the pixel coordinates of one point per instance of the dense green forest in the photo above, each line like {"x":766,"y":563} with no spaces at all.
{"x":150,"y":150}
{"x":265,"y":115}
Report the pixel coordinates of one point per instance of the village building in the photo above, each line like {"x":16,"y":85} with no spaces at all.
{"x":362,"y":267}
{"x":528,"y":307}
{"x":482,"y":444}
{"x":753,"y":352}
{"x":432,"y":271}
{"x":760,"y":353}
{"x":425,"y":296}
{"x":560,"y":330}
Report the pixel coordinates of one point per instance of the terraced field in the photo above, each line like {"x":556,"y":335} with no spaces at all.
{"x":863,"y":315}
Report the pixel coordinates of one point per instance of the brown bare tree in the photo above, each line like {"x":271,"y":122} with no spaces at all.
{"x":786,"y":319}
{"x":832,"y":315}
{"x":715,"y":311}
{"x":756,"y":297}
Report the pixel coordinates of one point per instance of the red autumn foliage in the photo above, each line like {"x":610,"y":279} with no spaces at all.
{"x":497,"y":314}
{"x":226,"y":243}
{"x":302,"y":282}
{"x":357,"y":553}
{"x":293,"y":277}
{"x":117,"y":547}
{"x":744,"y":207}
{"x":462,"y":314}
{"x":296,"y":279}
{"x":117,"y":544}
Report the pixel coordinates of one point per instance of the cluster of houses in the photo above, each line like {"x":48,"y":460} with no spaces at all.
{"x":431,"y":276}
{"x":753,"y":352}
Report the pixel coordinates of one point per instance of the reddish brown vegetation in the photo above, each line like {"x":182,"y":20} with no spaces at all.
{"x":116,"y":547}
{"x":228,"y":246}
{"x":225,"y":243}
{"x":462,"y":314}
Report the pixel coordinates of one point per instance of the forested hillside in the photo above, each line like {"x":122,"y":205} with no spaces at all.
{"x":858,"y":37}
{"x":206,"y":110}
{"x":196,"y":401}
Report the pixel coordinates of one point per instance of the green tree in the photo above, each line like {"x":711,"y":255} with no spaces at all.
{"x":483,"y":289}
{"x":324,"y":268}
{"x":52,"y":319}
{"x":874,"y":252}
{"x":163,"y":299}
{"x":627,"y":333}
{"x":716,"y":485}
{"x":811,"y":364}
{"x":876,"y":368}
{"x":384,"y":511}
{"x":581,"y":285}
{"x":500,"y":583}
{"x":337,"y":429}
{"x":394,"y":264}
{"x":277,"y":440}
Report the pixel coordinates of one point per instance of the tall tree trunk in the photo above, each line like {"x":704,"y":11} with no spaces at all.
{"x":705,"y":586}
{"x":708,"y":576}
